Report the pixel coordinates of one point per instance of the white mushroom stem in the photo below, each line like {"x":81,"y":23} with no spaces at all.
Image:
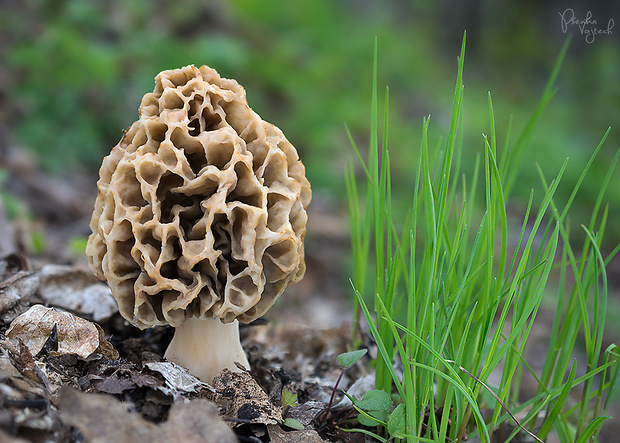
{"x":205,"y":347}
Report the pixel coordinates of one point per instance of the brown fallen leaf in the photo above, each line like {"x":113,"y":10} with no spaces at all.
{"x":244,"y":399}
{"x":197,"y":421}
{"x":20,"y":377}
{"x":123,"y":380}
{"x":306,"y":412}
{"x":75,"y":335}
{"x":101,"y":419}
{"x":278,"y":435}
{"x":16,"y":293}
{"x":77,"y":290}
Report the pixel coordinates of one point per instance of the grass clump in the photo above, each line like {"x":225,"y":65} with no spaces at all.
{"x":454,"y":294}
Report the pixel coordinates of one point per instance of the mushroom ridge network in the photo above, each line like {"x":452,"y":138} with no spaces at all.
{"x":201,"y":209}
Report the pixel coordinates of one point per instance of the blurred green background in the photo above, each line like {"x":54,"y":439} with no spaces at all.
{"x":73,"y":73}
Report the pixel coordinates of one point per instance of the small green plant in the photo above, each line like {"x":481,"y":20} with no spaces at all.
{"x":374,"y":409}
{"x":326,"y":419}
{"x":455,"y":293}
{"x":289,"y":400}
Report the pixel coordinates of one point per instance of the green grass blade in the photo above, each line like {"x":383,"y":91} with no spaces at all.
{"x":591,"y":429}
{"x":548,"y":424}
{"x":358,"y":154}
{"x":515,"y":156}
{"x":602,"y":190}
{"x":378,"y":339}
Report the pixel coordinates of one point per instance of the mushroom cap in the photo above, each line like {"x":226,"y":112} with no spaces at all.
{"x":201,"y":208}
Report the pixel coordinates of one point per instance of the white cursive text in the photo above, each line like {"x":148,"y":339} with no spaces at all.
{"x":587,"y":27}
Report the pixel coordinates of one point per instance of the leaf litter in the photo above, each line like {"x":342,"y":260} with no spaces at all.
{"x":72,"y":370}
{"x":70,"y":334}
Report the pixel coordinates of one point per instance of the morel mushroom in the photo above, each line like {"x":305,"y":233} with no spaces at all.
{"x":200,"y":217}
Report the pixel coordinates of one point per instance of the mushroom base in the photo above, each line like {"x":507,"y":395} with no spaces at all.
{"x":205,"y":347}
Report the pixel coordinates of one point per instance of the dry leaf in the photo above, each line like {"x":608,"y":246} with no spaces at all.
{"x":244,"y":398}
{"x":178,"y":379}
{"x":197,"y":421}
{"x":306,"y":412}
{"x":101,"y":419}
{"x":75,"y":335}
{"x":278,"y":435}
{"x":21,"y":378}
{"x":124,"y":380}
{"x":77,"y":290}
{"x":15,"y":293}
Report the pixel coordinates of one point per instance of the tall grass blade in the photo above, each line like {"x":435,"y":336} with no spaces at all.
{"x":510,"y":167}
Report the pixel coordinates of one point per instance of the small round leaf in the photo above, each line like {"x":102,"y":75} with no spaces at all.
{"x":375,"y":403}
{"x":348,"y":359}
{"x":293,"y":424}
{"x":396,"y":423}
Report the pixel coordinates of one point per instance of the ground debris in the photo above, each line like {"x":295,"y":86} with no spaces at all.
{"x":47,"y":352}
{"x":117,"y":378}
{"x":25,"y":406}
{"x":178,"y":380}
{"x":18,"y":286}
{"x":102,"y":418}
{"x":76,"y":289}
{"x":307,"y":412}
{"x":73,"y":288}
{"x":243,"y":400}
{"x":278,"y":435}
{"x":73,"y":335}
